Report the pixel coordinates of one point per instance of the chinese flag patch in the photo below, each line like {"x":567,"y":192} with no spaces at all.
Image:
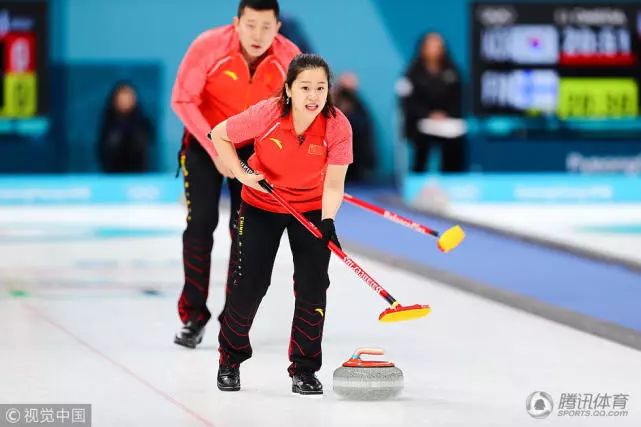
{"x":316,"y":150}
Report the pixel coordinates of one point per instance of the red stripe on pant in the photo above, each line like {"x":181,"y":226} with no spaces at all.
{"x":192,"y":304}
{"x":305,"y":352}
{"x":259,"y":235}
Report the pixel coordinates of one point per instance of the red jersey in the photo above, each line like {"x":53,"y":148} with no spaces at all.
{"x":295,"y":166}
{"x":214,"y":80}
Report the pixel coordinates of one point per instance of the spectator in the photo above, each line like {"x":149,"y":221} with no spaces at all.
{"x":347,"y":100}
{"x":125,"y":134}
{"x":291,"y":29}
{"x":431,"y":88}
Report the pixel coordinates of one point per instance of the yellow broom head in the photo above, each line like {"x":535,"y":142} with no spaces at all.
{"x":399,"y":313}
{"x":451,"y":238}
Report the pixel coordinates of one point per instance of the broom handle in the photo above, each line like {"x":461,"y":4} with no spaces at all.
{"x":391,"y":216}
{"x":353,"y":265}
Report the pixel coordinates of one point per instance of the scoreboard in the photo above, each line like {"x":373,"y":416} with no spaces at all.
{"x":567,"y":60}
{"x":23,"y":59}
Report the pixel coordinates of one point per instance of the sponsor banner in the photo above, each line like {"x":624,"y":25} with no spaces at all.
{"x":521,"y":188}
{"x":87,"y":189}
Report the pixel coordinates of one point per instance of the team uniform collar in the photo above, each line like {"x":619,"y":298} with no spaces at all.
{"x":317,"y":128}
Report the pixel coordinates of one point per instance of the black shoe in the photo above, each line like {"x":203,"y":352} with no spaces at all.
{"x":306,"y":383}
{"x":190,"y":335}
{"x":228,"y":378}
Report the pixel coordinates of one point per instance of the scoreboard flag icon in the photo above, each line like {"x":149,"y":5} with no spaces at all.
{"x":20,"y":52}
{"x":534,"y":44}
{"x":20,"y":95}
{"x":534,"y":91}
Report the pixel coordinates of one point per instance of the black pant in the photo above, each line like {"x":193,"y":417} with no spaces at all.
{"x":452,"y":155}
{"x":203,"y":184}
{"x":256,"y":243}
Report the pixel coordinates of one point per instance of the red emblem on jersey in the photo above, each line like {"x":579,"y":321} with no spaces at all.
{"x":316,"y":150}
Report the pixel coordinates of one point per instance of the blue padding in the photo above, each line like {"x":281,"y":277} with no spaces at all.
{"x":589,"y":287}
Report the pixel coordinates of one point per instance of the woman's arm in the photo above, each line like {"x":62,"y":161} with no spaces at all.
{"x":454,"y":108}
{"x":333,"y":190}
{"x":227,"y":154}
{"x":415,"y":104}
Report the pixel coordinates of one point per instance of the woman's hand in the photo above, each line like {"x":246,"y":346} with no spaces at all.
{"x":252,"y":180}
{"x":328,"y":232}
{"x":438,"y":115}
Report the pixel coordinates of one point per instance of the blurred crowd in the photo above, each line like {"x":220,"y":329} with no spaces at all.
{"x":429,"y":94}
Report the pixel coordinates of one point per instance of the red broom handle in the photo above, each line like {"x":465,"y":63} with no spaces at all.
{"x":390,"y":215}
{"x":353,"y":265}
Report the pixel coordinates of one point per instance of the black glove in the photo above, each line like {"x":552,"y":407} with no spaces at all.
{"x":328,"y":231}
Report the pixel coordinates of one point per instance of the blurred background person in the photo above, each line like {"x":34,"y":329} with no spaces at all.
{"x":346,"y":98}
{"x":125,"y":133}
{"x":432,"y":89}
{"x":291,"y":29}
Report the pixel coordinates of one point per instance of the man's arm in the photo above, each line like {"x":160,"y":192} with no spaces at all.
{"x":187,"y":91}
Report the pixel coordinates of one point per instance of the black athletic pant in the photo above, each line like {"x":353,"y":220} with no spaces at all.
{"x":203,"y":184}
{"x":256,"y":243}
{"x":452,"y":153}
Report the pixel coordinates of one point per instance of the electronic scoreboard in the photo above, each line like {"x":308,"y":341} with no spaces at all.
{"x":566,"y":60}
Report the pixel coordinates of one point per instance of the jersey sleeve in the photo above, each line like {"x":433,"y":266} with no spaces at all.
{"x":254,"y":121}
{"x":285,"y":50}
{"x":338,"y":137}
{"x":188,"y":88}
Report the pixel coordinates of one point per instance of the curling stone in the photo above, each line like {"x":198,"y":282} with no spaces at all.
{"x":359,"y":379}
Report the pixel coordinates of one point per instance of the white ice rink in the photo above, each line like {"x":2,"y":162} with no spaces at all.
{"x":80,"y":328}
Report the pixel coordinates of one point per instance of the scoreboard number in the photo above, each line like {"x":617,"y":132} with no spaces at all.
{"x":598,"y":98}
{"x":20,"y":95}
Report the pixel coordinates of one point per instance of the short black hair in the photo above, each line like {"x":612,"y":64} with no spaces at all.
{"x":259,"y":5}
